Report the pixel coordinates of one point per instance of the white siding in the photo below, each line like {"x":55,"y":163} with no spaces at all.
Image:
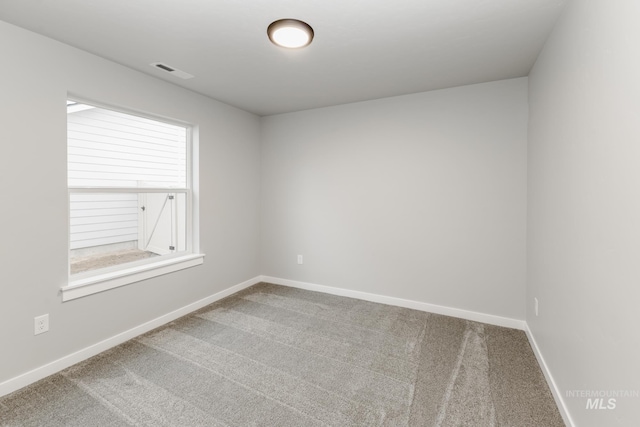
{"x":101,"y":219}
{"x":111,"y":149}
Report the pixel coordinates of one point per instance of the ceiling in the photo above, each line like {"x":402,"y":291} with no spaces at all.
{"x":363,"y":49}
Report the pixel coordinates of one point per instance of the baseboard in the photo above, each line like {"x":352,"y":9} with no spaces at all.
{"x":555,"y":391}
{"x":37,"y":374}
{"x":416,"y":305}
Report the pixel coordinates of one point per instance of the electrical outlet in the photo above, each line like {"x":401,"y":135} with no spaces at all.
{"x":535,"y":305}
{"x":41,"y":324}
{"x":299,"y":259}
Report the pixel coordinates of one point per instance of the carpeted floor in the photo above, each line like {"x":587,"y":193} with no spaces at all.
{"x":277,"y":356}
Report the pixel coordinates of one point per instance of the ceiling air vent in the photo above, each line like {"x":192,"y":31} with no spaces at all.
{"x":172,"y":70}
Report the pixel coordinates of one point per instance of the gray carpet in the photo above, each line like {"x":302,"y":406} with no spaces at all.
{"x":276,"y":356}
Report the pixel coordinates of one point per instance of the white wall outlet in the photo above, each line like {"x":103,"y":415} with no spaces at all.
{"x":299,"y":259}
{"x":535,"y":305}
{"x":41,"y":324}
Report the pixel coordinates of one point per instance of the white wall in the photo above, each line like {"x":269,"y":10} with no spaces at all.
{"x":584,"y":205}
{"x":421,"y":197}
{"x":36,"y":75}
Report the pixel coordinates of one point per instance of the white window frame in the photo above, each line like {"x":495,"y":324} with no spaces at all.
{"x":88,"y":283}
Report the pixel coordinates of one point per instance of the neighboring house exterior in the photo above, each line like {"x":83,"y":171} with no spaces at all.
{"x":111,"y":149}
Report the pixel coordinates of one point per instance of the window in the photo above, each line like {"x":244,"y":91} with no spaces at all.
{"x":130,"y":209}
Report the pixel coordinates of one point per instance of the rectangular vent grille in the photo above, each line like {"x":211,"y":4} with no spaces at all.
{"x":164,"y":67}
{"x":171,"y":70}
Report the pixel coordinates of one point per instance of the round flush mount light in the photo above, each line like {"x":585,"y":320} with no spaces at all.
{"x":290,"y":33}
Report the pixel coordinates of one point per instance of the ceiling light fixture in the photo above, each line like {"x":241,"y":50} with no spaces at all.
{"x":290,"y":33}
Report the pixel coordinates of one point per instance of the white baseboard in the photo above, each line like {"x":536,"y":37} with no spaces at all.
{"x":557,"y":395}
{"x":416,"y":305}
{"x":37,"y":374}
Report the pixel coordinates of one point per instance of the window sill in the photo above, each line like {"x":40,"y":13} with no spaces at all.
{"x":102,"y":282}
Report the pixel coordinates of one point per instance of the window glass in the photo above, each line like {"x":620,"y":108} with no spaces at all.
{"x":128,"y":188}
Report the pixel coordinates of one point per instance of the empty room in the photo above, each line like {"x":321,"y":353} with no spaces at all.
{"x":412,"y":213}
